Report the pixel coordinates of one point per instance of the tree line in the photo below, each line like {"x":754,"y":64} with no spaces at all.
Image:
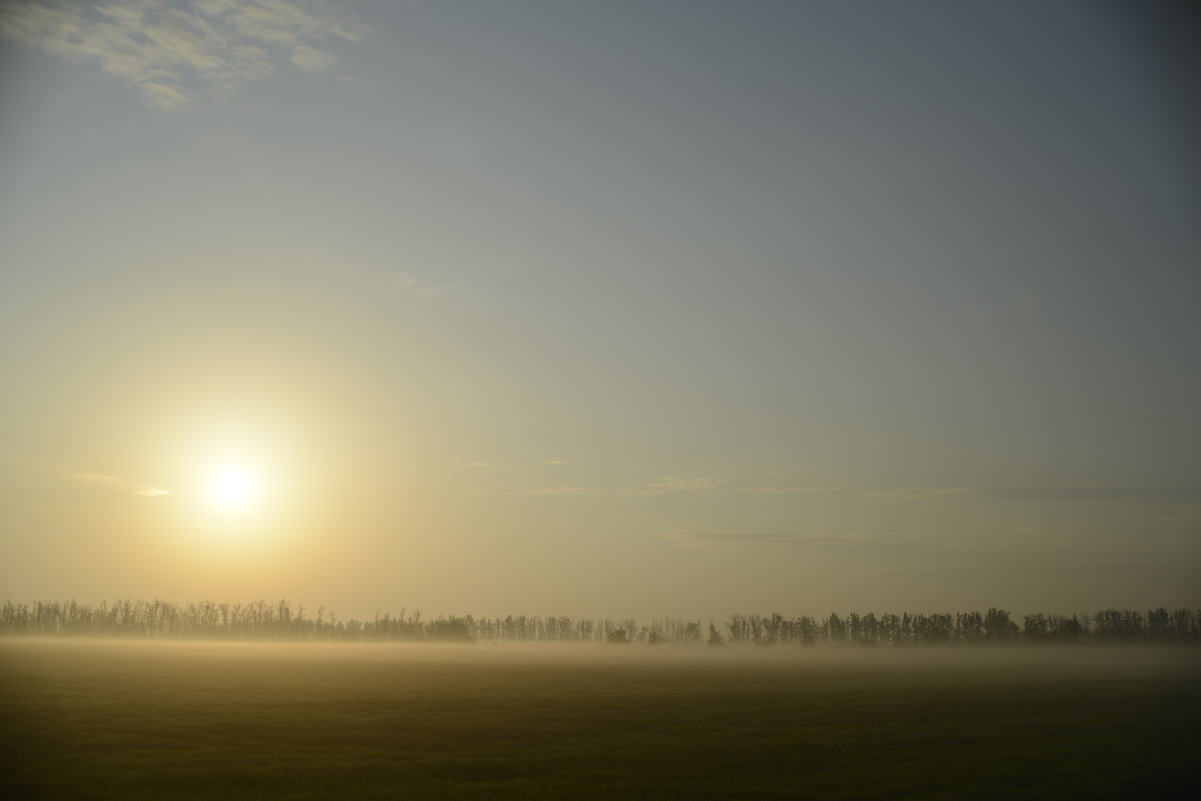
{"x":278,"y":621}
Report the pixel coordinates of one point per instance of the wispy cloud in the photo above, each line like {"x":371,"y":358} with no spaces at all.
{"x":118,"y":484}
{"x":786,"y":490}
{"x":478,"y":464}
{"x":910,"y":542}
{"x":312,"y":59}
{"x":569,"y":490}
{"x":718,"y":538}
{"x":664,"y":485}
{"x":1098,"y":493}
{"x":169,"y":52}
{"x":92,"y":478}
{"x":921,"y":493}
{"x":679,"y":484}
{"x":660,"y":487}
{"x":379,"y":277}
{"x":741,"y":485}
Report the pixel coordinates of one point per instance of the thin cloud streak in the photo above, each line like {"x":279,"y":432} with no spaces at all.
{"x":720,"y":538}
{"x":1098,"y":493}
{"x":732,"y":486}
{"x":925,"y":542}
{"x":713,"y":537}
{"x":103,"y":479}
{"x":91,"y":478}
{"x":920,"y":493}
{"x":569,"y":490}
{"x":675,"y":484}
{"x":786,"y":490}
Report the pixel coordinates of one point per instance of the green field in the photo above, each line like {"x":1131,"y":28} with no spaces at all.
{"x":92,"y":719}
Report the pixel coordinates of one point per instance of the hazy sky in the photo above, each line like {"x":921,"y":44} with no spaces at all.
{"x":601,"y":308}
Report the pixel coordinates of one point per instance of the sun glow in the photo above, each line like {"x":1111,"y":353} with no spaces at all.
{"x":248,"y":485}
{"x":233,"y":488}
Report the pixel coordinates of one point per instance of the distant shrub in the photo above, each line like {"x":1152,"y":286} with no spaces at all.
{"x":453,"y":630}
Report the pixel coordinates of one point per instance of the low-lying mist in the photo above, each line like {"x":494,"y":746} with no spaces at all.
{"x":1099,"y":659}
{"x":197,"y":719}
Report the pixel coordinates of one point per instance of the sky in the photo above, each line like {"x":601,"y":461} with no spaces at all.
{"x":601,"y":308}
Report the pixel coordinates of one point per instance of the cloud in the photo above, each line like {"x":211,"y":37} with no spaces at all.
{"x":921,"y":493}
{"x":171,"y":51}
{"x":942,"y":572}
{"x":1098,"y":493}
{"x":103,"y":479}
{"x":311,"y":59}
{"x":478,"y":464}
{"x":678,"y":484}
{"x":377,"y":277}
{"x":714,"y":536}
{"x":664,"y":485}
{"x":403,"y":279}
{"x":655,"y":488}
{"x":92,"y":477}
{"x":163,"y":96}
{"x":556,"y":461}
{"x":736,"y":538}
{"x":738,"y":486}
{"x":786,"y":490}
{"x":910,"y":542}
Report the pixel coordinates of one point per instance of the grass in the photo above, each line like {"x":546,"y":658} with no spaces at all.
{"x":100,"y":720}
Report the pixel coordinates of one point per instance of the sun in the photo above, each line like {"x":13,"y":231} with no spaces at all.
{"x":233,"y":488}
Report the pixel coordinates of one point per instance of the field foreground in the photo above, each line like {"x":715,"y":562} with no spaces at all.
{"x":91,"y":719}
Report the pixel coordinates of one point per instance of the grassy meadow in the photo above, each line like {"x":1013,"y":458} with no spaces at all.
{"x":101,"y":719}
